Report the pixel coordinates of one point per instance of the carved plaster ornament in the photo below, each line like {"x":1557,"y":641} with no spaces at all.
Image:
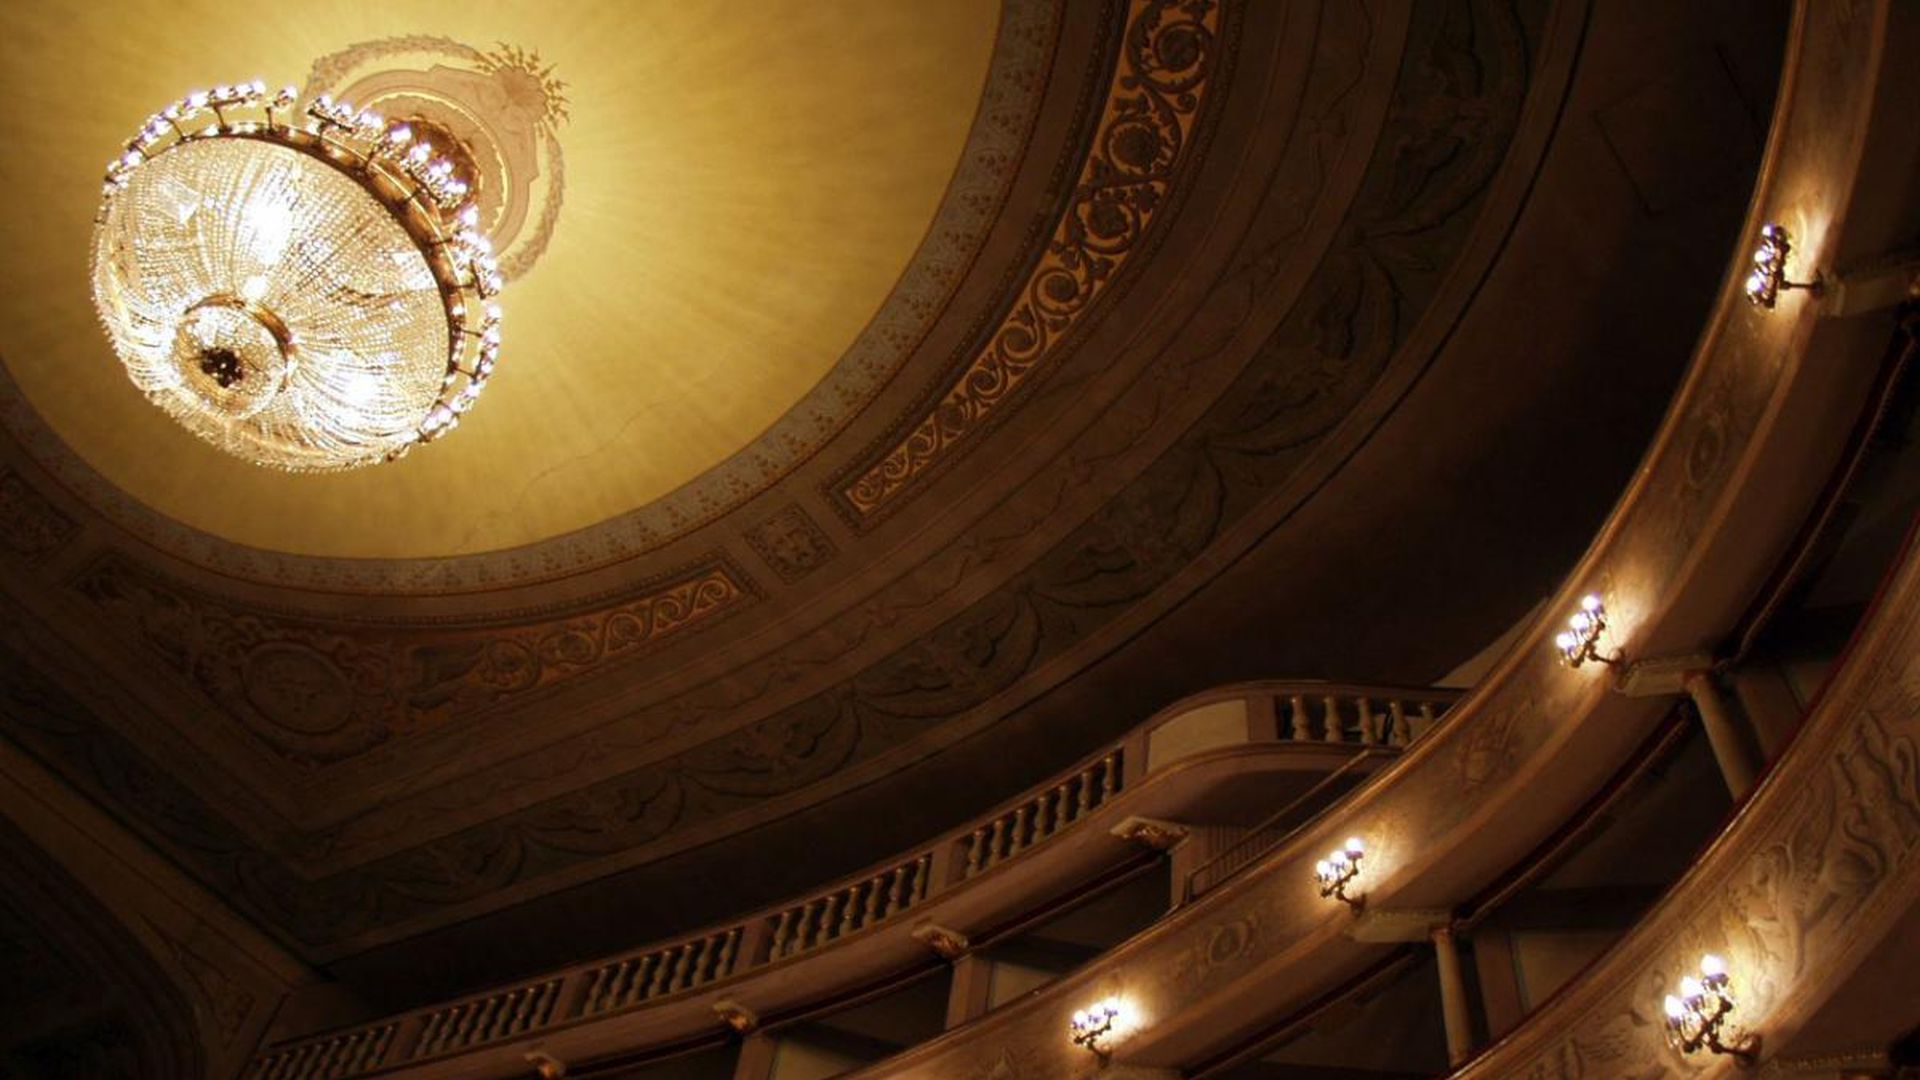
{"x":736,"y":1016}
{"x":1152,"y":832}
{"x":950,"y":944}
{"x":502,"y":108}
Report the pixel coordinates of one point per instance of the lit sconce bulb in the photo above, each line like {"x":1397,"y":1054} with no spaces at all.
{"x":1339,"y":868}
{"x":1769,"y":277}
{"x":1096,"y":1026}
{"x":1696,"y":1018}
{"x":1579,"y":643}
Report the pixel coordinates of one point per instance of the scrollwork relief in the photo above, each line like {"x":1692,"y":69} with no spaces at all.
{"x":319,"y":693}
{"x":1163,"y":74}
{"x":30,"y":525}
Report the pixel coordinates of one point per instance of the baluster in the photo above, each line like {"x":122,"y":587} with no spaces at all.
{"x":995,"y":841}
{"x":877,"y":897}
{"x":696,"y":955}
{"x":520,"y":1017}
{"x":1426,"y":719}
{"x":848,"y":911}
{"x":923,"y":876}
{"x":597,"y":983}
{"x":1112,"y":765}
{"x":976,"y":853}
{"x":500,"y":1013}
{"x":780,"y":941}
{"x":449,"y":1029}
{"x":475,"y":1013}
{"x":663,"y":973}
{"x":427,"y":1031}
{"x":335,"y":1054}
{"x":640,"y":972}
{"x":820,"y":925}
{"x":651,"y":984}
{"x":442,"y":1031}
{"x":1397,"y":722}
{"x":373,"y":1048}
{"x":1302,"y":723}
{"x":497,"y":1015}
{"x":533,"y":1008}
{"x":730,"y":954}
{"x":327,"y":1058}
{"x":1335,"y":725}
{"x":528,"y":1013}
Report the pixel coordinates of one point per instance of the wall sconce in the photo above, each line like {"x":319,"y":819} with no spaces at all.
{"x":1769,"y":277}
{"x":1697,"y":1015}
{"x":1096,"y":1026}
{"x":1339,"y":868}
{"x":1578,"y":643}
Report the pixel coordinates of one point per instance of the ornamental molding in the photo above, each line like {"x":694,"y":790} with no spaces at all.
{"x":320,"y":692}
{"x":1144,"y":139}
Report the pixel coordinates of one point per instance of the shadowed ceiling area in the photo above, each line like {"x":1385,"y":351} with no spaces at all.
{"x":911,"y":398}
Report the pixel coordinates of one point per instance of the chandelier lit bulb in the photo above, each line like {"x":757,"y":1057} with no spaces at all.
{"x":309,"y":291}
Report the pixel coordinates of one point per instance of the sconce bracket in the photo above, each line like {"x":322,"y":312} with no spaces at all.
{"x":1152,"y":832}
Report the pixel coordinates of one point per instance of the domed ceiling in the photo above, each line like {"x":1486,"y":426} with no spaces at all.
{"x":735,"y":204}
{"x":909,"y":398}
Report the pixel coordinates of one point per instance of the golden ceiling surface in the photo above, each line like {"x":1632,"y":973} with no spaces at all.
{"x":739,"y":197}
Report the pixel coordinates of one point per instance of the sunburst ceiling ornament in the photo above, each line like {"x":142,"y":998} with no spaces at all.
{"x":309,"y":291}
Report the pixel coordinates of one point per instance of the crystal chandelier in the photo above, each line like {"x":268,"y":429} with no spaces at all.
{"x":306,"y":293}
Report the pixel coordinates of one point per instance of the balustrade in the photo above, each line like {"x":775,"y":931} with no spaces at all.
{"x":855,"y":907}
{"x":1042,"y":816}
{"x":1371,"y":719}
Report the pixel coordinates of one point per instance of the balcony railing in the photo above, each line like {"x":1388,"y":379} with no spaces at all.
{"x":1304,"y":715}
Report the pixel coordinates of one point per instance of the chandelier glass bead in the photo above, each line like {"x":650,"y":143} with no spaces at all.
{"x":311,"y":296}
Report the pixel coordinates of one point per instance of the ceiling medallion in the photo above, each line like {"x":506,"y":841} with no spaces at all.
{"x":505,"y":105}
{"x":309,"y":290}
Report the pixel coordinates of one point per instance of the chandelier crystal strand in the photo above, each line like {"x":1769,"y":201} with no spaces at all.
{"x":307,"y":292}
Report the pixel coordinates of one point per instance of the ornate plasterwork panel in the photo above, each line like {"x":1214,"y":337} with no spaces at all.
{"x":1145,"y":132}
{"x":504,"y":104}
{"x":316,"y":692}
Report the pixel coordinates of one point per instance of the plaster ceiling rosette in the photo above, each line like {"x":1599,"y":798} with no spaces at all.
{"x":500,"y":110}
